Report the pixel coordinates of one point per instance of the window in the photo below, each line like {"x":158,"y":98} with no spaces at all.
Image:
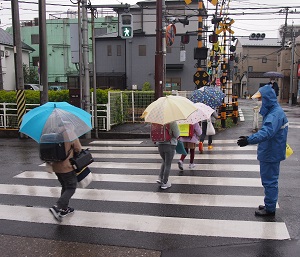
{"x":35,"y":39}
{"x":142,"y":50}
{"x":264,"y":60}
{"x":119,"y":50}
{"x":109,"y":50}
{"x":250,"y":68}
{"x":173,"y":84}
{"x":35,"y":61}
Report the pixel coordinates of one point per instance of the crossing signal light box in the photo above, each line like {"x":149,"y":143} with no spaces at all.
{"x":126,"y":25}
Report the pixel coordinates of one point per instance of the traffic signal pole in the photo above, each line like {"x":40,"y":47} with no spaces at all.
{"x":200,"y":27}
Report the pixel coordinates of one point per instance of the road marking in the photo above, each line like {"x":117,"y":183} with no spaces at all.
{"x":152,"y":224}
{"x":117,"y":142}
{"x":156,"y":156}
{"x":138,"y":196}
{"x":181,"y":180}
{"x":156,"y":166}
{"x":154,"y":148}
{"x":199,"y":167}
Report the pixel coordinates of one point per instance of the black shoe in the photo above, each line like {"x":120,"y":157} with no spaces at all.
{"x":261,"y":207}
{"x":264,"y":213}
{"x":55,"y":212}
{"x":64,"y":213}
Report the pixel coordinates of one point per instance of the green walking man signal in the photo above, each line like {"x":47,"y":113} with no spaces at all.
{"x":126,"y":26}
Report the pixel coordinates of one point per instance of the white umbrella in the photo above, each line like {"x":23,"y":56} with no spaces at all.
{"x":169,"y":108}
{"x":203,"y":113}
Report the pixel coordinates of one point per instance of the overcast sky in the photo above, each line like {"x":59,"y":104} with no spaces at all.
{"x":265,"y":19}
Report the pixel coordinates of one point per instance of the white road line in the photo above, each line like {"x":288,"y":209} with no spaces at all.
{"x":154,"y":148}
{"x":156,"y":156}
{"x":117,"y":142}
{"x":183,"y":180}
{"x":294,"y":126}
{"x":152,"y":224}
{"x":156,"y":166}
{"x":240,"y":201}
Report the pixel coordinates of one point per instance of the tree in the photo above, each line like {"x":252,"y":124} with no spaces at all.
{"x":30,"y":74}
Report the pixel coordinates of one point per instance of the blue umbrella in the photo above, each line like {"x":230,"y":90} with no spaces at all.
{"x":211,"y":96}
{"x":56,"y":117}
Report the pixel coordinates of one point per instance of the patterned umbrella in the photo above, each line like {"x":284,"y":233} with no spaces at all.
{"x":203,"y":113}
{"x":167,"y":109}
{"x":211,"y":96}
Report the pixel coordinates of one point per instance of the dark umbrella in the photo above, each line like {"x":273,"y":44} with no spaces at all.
{"x":211,"y":96}
{"x":273,"y":74}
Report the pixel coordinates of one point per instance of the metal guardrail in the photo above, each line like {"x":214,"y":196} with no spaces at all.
{"x":9,"y":118}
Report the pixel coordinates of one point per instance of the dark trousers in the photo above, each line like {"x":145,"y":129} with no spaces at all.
{"x":68,"y":183}
{"x":203,"y":135}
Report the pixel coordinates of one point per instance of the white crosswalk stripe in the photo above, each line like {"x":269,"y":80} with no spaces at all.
{"x":235,"y":179}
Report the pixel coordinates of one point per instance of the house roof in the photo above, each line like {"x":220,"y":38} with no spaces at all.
{"x":7,"y":39}
{"x":272,"y":42}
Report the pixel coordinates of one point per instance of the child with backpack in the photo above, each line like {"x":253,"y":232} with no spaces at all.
{"x":165,"y":136}
{"x":61,"y":153}
{"x":190,"y":145}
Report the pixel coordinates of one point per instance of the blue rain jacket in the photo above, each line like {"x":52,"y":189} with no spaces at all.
{"x":272,"y":136}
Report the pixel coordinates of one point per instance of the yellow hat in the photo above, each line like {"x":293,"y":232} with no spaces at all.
{"x":256,"y":95}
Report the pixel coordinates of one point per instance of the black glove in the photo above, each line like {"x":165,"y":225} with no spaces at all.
{"x":242,"y":141}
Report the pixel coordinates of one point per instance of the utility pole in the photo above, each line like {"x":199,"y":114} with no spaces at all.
{"x":85,"y":46}
{"x":285,"y":27}
{"x":292,"y":67}
{"x":19,"y":77}
{"x":159,"y":65}
{"x":80,"y":54}
{"x":43,"y":52}
{"x":94,"y":74}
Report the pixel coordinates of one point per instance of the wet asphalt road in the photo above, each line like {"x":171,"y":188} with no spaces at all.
{"x":19,"y":155}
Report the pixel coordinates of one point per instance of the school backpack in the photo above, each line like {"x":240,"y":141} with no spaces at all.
{"x":186,"y":130}
{"x":52,"y":152}
{"x":160,"y":133}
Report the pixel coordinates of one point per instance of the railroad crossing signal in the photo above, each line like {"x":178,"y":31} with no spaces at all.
{"x":126,"y":25}
{"x":201,"y":78}
{"x":225,"y":26}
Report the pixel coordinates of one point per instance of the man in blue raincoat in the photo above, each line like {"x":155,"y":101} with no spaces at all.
{"x":271,"y":140}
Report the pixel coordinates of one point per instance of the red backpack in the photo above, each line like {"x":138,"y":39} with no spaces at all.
{"x":160,"y":133}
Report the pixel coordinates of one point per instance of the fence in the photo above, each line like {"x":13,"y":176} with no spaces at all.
{"x":122,"y":107}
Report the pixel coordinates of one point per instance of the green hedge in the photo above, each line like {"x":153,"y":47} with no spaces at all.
{"x":33,"y":97}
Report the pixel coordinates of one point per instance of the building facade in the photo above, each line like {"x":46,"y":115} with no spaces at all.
{"x":7,"y":63}
{"x":129,"y":63}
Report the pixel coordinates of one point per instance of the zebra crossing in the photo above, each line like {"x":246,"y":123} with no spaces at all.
{"x":216,"y":199}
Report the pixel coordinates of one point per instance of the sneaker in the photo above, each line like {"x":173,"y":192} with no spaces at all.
{"x":201,"y":147}
{"x":180,"y":165}
{"x":210,"y":147}
{"x":159,"y":181}
{"x":55,"y":212}
{"x":264,"y":213}
{"x":191,"y":166}
{"x":64,"y":213}
{"x":261,"y":207}
{"x":165,"y":186}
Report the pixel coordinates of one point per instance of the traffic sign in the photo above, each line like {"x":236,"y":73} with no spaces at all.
{"x":201,"y":78}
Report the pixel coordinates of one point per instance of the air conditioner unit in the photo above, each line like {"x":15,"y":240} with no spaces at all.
{"x":7,"y":53}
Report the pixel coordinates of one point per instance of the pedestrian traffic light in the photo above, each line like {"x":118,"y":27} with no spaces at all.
{"x":126,"y":26}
